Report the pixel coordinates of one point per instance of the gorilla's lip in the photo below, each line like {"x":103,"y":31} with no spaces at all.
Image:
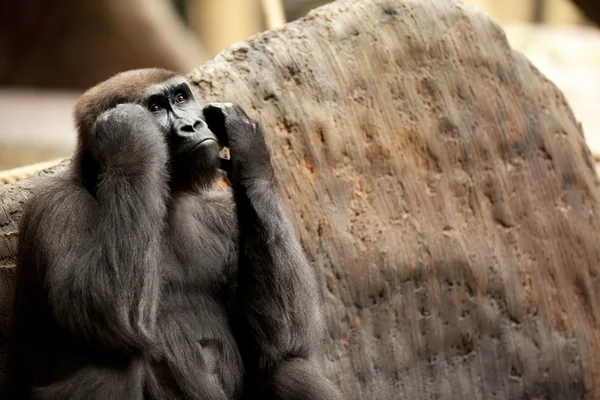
{"x":200,"y":143}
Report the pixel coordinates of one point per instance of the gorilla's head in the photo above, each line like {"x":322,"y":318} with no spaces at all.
{"x":193,"y":147}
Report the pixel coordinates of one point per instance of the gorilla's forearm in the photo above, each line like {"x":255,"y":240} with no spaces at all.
{"x":277,"y":287}
{"x":131,"y":203}
{"x":129,"y":242}
{"x":100,"y":251}
{"x":279,"y":323}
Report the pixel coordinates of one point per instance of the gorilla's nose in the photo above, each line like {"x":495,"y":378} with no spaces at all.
{"x":186,"y":128}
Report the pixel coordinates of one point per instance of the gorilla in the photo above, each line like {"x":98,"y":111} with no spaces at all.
{"x":136,"y":279}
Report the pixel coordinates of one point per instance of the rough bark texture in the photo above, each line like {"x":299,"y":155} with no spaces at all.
{"x":442,"y":189}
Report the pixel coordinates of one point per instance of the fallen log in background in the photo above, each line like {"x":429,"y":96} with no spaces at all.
{"x":442,"y":189}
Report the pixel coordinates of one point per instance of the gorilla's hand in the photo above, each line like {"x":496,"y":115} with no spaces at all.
{"x":250,"y":156}
{"x":229,"y":122}
{"x":127,"y":140}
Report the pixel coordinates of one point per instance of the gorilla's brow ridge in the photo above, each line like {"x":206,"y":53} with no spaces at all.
{"x":168,"y":87}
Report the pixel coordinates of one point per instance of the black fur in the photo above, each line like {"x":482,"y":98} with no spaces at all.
{"x":136,"y":280}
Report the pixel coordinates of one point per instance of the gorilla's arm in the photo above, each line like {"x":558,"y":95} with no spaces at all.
{"x":280,"y":324}
{"x":97,"y":254}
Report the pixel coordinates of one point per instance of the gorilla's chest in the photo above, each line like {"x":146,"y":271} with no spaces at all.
{"x":200,"y":246}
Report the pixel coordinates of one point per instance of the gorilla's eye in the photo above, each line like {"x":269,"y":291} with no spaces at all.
{"x":180,"y":98}
{"x":154,"y":107}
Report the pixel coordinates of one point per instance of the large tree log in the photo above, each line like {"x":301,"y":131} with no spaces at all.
{"x":442,"y":189}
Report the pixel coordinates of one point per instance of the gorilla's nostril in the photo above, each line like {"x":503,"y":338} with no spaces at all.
{"x":187,"y":128}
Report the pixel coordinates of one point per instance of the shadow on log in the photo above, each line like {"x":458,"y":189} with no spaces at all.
{"x":442,"y":189}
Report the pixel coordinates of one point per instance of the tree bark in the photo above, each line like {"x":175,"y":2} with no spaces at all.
{"x":441,"y":188}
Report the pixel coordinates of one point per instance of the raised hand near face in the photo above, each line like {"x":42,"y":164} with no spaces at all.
{"x":250,"y":157}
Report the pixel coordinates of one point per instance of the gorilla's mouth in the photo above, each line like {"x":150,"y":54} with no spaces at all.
{"x":203,"y":142}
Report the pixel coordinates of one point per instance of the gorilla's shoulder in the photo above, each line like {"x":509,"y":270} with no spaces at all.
{"x":57,"y":194}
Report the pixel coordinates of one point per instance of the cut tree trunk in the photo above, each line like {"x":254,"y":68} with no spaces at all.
{"x":442,"y":189}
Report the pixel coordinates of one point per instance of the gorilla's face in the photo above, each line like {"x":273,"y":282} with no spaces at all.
{"x":193,"y":147}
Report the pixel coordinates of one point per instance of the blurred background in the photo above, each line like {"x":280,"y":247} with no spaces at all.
{"x":51,"y":51}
